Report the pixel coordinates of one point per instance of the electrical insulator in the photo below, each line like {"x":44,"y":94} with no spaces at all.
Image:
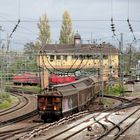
{"x":112,"y":26}
{"x":134,"y":38}
{"x":113,"y":29}
{"x":128,"y":21}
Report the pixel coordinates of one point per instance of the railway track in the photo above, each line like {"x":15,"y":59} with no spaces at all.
{"x":22,"y":101}
{"x":126,"y":128}
{"x":91,"y":120}
{"x":122,"y":129}
{"x":12,"y":133}
{"x":126,"y":103}
{"x":47,"y":127}
{"x":68,"y":135}
{"x":19,"y":112}
{"x":57,"y":135}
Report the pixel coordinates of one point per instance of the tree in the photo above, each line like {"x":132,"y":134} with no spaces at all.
{"x":30,"y":54}
{"x":130,"y":58}
{"x":44,"y":31}
{"x":29,"y":47}
{"x":66,"y":33}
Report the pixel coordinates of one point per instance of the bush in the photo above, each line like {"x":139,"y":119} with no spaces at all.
{"x":4,"y":104}
{"x":116,"y":90}
{"x":5,"y":96}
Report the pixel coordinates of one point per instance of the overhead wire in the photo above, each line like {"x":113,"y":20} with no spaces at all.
{"x":131,"y":29}
{"x":129,"y":24}
{"x":55,"y":69}
{"x":15,"y":28}
{"x":42,"y":57}
{"x":74,"y":20}
{"x":79,"y":68}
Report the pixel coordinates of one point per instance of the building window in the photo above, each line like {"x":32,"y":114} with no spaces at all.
{"x":51,"y":57}
{"x":105,"y":56}
{"x":65,"y":57}
{"x":81,"y":57}
{"x":97,"y":56}
{"x":58,"y":57}
{"x":74,"y":57}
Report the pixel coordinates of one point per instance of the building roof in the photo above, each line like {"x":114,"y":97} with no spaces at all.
{"x":83,"y":49}
{"x":77,"y":35}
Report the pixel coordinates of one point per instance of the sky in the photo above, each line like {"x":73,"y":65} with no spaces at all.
{"x":91,"y":18}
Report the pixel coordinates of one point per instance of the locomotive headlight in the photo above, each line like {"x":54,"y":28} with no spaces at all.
{"x":55,"y":108}
{"x":44,"y":108}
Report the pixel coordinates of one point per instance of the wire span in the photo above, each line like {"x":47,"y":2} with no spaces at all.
{"x":131,"y":29}
{"x":15,"y":28}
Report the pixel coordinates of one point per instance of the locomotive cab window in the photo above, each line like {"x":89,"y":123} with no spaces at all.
{"x":56,"y":103}
{"x":53,"y":103}
{"x":42,"y":103}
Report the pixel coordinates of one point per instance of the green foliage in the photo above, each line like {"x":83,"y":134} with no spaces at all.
{"x":66,"y":33}
{"x":34,"y":89}
{"x":4,"y":95}
{"x":26,"y":62}
{"x":130,"y":58}
{"x":4,"y":104}
{"x":115,"y":90}
{"x":6,"y":100}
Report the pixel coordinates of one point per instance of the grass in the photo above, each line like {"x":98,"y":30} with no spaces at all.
{"x":5,"y":104}
{"x":13,"y":99}
{"x":115,"y":90}
{"x":6,"y":100}
{"x":34,"y":89}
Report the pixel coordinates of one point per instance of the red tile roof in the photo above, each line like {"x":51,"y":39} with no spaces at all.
{"x":83,"y":49}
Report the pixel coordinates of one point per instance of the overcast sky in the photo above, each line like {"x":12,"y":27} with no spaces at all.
{"x":93,"y":15}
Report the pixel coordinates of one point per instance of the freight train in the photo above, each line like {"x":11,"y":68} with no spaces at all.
{"x":65,"y":99}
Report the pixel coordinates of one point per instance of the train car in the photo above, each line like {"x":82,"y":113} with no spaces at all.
{"x":33,"y":79}
{"x":66,"y":99}
{"x":26,"y":79}
{"x":60,"y":79}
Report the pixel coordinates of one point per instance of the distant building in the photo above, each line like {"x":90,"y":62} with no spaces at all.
{"x":78,"y":56}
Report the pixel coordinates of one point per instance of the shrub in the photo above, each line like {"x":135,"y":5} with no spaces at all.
{"x":116,"y":90}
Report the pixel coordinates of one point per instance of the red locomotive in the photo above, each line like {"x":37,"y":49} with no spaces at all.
{"x":66,"y":99}
{"x":33,"y":79}
{"x":26,"y":79}
{"x":60,"y":79}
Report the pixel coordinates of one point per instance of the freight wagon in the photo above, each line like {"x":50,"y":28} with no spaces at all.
{"x":65,"y":99}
